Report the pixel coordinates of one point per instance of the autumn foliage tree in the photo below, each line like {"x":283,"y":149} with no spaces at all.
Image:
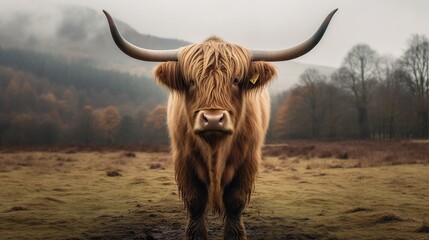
{"x":156,"y":124}
{"x":311,"y":109}
{"x":109,"y":123}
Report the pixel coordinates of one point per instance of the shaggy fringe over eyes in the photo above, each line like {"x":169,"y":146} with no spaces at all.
{"x":213,"y":65}
{"x":199,"y":61}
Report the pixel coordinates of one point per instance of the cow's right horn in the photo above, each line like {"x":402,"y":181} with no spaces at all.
{"x":137,"y":52}
{"x":293,"y":52}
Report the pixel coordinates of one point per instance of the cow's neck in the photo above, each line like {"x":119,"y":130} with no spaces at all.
{"x":217,"y":160}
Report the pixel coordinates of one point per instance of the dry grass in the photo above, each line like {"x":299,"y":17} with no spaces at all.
{"x":69,"y":194}
{"x":370,"y":153}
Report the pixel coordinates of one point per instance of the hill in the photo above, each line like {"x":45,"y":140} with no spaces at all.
{"x":44,"y":99}
{"x":61,"y":75}
{"x":82,"y":33}
{"x":78,"y":33}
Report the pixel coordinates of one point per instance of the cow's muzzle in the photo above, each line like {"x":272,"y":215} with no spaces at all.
{"x":213,"y":123}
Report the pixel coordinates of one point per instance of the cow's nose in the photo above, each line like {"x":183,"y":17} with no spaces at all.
{"x":213,"y":121}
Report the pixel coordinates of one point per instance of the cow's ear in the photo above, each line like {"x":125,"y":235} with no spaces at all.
{"x":168,"y":74}
{"x":259,"y":75}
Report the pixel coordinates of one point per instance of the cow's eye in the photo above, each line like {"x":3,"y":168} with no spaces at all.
{"x":191,"y":83}
{"x":236,"y":81}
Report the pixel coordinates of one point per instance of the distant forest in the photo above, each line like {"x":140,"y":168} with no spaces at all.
{"x":51,"y":100}
{"x":369,"y":96}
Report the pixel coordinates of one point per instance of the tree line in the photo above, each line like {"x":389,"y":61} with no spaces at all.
{"x":369,"y":96}
{"x":50,"y":100}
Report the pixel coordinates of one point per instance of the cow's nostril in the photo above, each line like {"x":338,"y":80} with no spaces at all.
{"x":213,"y":121}
{"x":222,"y":120}
{"x":206,"y":121}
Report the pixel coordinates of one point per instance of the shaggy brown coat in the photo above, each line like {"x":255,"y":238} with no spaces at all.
{"x":217,"y":118}
{"x":216,"y":75}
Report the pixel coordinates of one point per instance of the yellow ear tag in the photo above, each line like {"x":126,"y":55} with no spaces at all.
{"x":254,"y":79}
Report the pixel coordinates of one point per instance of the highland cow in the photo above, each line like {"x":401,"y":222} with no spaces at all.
{"x":218,"y":115}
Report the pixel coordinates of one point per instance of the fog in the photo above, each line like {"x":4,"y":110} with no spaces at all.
{"x":385,"y":25}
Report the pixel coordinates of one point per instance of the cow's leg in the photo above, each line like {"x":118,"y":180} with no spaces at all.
{"x":196,"y":203}
{"x":195,"y":196}
{"x":235,"y":198}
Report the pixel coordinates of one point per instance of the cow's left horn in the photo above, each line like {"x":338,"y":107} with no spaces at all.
{"x":137,"y":52}
{"x":293,"y":52}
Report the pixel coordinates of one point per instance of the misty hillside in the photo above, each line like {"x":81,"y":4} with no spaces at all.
{"x":46,"y":99}
{"x":63,"y":80}
{"x":78,"y":75}
{"x":82,"y":33}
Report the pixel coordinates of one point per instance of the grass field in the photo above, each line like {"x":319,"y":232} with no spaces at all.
{"x":347,"y":190}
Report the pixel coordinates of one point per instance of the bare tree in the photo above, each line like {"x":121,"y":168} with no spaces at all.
{"x":292,"y":118}
{"x":386,"y":96}
{"x":415,"y":63}
{"x":333,"y":101}
{"x":314,"y":82}
{"x":357,"y":75}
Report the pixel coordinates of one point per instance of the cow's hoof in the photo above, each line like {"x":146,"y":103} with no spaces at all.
{"x":196,"y":230}
{"x":234,"y":231}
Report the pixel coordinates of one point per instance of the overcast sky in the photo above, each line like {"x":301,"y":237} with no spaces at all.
{"x":385,"y":25}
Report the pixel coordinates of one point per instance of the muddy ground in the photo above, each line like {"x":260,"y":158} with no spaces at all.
{"x":303,"y":191}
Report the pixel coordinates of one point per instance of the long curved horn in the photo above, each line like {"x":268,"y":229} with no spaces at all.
{"x":137,"y":52}
{"x":293,"y":52}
